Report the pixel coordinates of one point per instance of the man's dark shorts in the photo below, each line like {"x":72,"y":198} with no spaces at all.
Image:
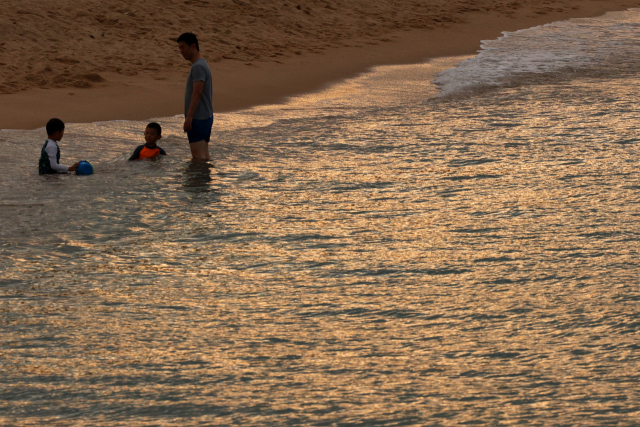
{"x":200,"y":130}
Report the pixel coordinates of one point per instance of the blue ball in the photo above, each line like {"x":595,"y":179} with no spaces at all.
{"x":84,"y":168}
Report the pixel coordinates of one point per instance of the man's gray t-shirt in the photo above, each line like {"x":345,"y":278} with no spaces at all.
{"x":200,"y":72}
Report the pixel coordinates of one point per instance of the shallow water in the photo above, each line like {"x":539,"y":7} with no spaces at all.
{"x":355,"y":257}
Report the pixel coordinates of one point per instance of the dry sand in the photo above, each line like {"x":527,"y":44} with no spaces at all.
{"x":106,"y":60}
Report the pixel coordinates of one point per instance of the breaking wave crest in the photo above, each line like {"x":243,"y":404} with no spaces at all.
{"x":574,"y":46}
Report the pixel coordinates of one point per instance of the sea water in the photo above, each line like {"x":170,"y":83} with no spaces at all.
{"x":385,"y":252}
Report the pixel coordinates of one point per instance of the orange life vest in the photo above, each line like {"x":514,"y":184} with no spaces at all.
{"x":146,"y":153}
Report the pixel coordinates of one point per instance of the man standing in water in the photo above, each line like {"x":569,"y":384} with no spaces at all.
{"x":198,"y":106}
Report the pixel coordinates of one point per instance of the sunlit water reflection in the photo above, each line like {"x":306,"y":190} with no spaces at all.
{"x":355,"y":257}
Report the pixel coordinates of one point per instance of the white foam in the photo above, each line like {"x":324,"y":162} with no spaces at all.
{"x":573,"y":45}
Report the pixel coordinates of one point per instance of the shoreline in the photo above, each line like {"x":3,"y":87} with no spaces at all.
{"x":239,"y":85}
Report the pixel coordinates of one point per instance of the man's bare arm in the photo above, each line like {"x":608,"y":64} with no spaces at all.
{"x":193,"y":106}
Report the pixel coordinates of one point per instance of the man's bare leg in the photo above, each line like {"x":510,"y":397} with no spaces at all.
{"x":200,"y":150}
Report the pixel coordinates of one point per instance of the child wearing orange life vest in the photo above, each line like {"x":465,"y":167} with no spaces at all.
{"x":149,"y":150}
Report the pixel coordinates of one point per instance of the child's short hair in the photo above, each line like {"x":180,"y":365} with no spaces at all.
{"x":54,"y":125}
{"x":156,"y":126}
{"x":189,"y":38}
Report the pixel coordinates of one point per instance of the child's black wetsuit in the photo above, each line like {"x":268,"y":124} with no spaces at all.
{"x":46,"y":165}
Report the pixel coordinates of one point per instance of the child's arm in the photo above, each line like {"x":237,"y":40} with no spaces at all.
{"x":136,"y":153}
{"x":52,"y":151}
{"x":162,"y":152}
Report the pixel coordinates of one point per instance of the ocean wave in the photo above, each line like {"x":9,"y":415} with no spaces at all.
{"x":572,"y":45}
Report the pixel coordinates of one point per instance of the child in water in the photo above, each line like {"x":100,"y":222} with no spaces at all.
{"x":149,"y":150}
{"x":50,"y":156}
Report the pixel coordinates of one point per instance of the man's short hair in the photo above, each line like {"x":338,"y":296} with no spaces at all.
{"x":156,"y":126}
{"x":54,"y":125}
{"x":189,"y":38}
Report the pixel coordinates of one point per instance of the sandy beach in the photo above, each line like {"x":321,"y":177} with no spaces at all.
{"x":119,"y":60}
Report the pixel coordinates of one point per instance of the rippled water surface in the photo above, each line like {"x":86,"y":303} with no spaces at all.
{"x":355,"y":257}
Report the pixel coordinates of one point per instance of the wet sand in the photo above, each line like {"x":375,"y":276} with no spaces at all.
{"x":99,"y":62}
